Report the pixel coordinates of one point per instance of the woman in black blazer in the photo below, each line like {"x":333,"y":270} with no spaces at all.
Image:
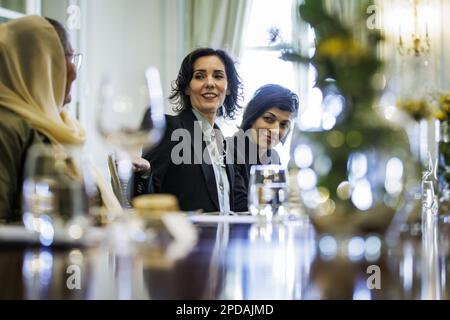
{"x":190,"y":162}
{"x":266,"y":122}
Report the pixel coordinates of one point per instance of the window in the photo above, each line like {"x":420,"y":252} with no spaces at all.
{"x":6,"y":15}
{"x":260,"y":63}
{"x":19,"y":6}
{"x":12,"y":9}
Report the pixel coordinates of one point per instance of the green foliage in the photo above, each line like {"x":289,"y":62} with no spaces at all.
{"x":345,"y":56}
{"x":347,"y":65}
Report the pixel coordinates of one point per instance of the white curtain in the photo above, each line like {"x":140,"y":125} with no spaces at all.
{"x":216,"y":23}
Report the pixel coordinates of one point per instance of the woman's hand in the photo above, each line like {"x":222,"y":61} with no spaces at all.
{"x":140,"y":165}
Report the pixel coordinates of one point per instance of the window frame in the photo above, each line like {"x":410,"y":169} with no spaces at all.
{"x":291,"y":41}
{"x":10,"y":14}
{"x":32,"y":7}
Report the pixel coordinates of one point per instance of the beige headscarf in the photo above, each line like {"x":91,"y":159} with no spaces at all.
{"x":33,"y":76}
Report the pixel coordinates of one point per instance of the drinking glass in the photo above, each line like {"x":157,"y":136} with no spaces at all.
{"x":130,"y":118}
{"x":54,"y":200}
{"x":268,"y":192}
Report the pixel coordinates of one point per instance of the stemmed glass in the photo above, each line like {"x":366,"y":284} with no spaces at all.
{"x":268,"y":192}
{"x":130,"y":118}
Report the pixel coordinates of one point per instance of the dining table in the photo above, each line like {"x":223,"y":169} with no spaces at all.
{"x":234,"y":259}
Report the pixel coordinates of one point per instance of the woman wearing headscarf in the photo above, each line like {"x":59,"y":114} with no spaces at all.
{"x":36,"y":74}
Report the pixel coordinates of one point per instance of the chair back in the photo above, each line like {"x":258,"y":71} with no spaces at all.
{"x":119,"y":186}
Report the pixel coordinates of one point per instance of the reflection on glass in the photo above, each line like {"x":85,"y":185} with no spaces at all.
{"x":273,"y":264}
{"x":216,"y":271}
{"x":404,"y":260}
{"x":361,"y":291}
{"x":372,"y":248}
{"x":444,"y":254}
{"x":54,"y":198}
{"x":303,"y":156}
{"x":356,"y":249}
{"x":407,"y":268}
{"x":328,"y":248}
{"x":37,"y":271}
{"x":431,"y":289}
{"x":268,"y":192}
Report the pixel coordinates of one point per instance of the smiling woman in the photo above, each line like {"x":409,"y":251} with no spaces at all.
{"x":182,"y":100}
{"x":266,"y":122}
{"x":207,"y":86}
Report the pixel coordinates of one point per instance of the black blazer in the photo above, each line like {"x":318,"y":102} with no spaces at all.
{"x":193,"y":184}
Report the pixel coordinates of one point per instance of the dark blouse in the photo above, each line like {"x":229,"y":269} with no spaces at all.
{"x":246,"y":154}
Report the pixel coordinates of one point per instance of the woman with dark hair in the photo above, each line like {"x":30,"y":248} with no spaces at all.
{"x":182,"y":99}
{"x":190,"y":161}
{"x":38,"y":67}
{"x":267,"y":121}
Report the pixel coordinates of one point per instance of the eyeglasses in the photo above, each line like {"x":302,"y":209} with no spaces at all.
{"x":76,"y":59}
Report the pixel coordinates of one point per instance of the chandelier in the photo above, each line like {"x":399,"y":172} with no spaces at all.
{"x":420,"y":41}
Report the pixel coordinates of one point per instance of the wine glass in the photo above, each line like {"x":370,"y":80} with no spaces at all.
{"x":268,"y":192}
{"x":130,"y":118}
{"x":54,"y":199}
